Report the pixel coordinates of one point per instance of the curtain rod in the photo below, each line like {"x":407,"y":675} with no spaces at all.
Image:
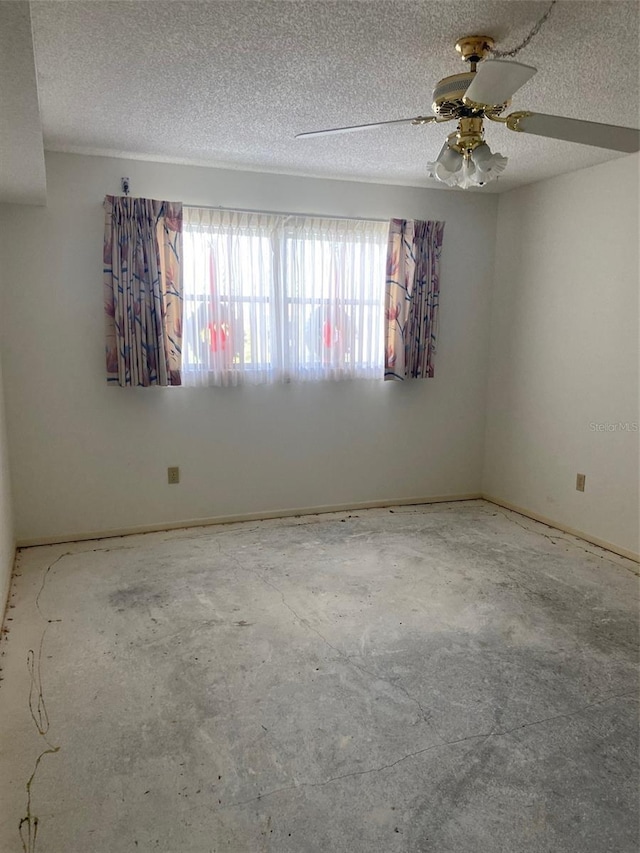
{"x":125,"y":185}
{"x":281,"y":213}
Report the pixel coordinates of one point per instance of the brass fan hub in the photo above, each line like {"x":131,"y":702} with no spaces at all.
{"x":474,"y":48}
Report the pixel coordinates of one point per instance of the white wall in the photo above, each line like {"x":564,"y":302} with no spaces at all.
{"x":86,"y":457}
{"x":7,"y":541}
{"x":564,"y":351}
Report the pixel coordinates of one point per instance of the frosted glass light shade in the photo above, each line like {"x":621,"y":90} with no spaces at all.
{"x":455,"y":170}
{"x":488,"y":165}
{"x":446,"y":166}
{"x":469,"y":176}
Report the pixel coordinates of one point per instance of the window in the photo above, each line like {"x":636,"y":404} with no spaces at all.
{"x":270,"y":298}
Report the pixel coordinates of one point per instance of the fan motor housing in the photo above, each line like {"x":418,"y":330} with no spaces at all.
{"x":448,"y":94}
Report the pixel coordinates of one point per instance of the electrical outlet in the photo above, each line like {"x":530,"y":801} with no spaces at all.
{"x":173,"y":475}
{"x":580,"y":478}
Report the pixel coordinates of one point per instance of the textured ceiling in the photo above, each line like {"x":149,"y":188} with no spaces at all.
{"x":230,"y":83}
{"x":22,"y":172}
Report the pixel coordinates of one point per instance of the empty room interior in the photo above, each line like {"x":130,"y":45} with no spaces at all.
{"x":319,"y":426}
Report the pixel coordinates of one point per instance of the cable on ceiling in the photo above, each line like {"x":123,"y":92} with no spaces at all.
{"x":498,"y":54}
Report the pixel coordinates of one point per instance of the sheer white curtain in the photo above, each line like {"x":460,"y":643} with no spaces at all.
{"x":228,"y":297}
{"x":276,"y":298}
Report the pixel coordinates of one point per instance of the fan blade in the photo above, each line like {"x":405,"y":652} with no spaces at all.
{"x":610,"y":136}
{"x":416,"y":120}
{"x":496,"y":81}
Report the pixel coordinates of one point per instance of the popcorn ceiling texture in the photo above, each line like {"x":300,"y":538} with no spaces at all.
{"x":230,"y":83}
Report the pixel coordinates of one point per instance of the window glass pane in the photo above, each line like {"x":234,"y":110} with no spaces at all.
{"x":274,"y":297}
{"x":334,"y":285}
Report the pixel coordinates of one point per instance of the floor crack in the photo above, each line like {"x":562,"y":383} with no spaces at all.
{"x":484,"y":737}
{"x":567,"y":715}
{"x":396,"y":685}
{"x":350,"y":775}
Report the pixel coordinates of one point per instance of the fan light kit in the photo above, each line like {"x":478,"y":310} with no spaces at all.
{"x":485,"y":93}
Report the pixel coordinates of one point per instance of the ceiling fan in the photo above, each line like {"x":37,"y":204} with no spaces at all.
{"x":485,"y":93}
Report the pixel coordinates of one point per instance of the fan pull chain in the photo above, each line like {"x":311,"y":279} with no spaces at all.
{"x":534,"y":32}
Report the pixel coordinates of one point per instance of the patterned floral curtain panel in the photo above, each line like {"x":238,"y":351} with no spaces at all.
{"x":411,"y":302}
{"x":143,"y":291}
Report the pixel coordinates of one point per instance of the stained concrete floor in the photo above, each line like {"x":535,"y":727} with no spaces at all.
{"x":450,"y":678}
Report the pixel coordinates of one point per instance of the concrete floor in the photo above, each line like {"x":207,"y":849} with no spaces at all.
{"x":450,"y":678}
